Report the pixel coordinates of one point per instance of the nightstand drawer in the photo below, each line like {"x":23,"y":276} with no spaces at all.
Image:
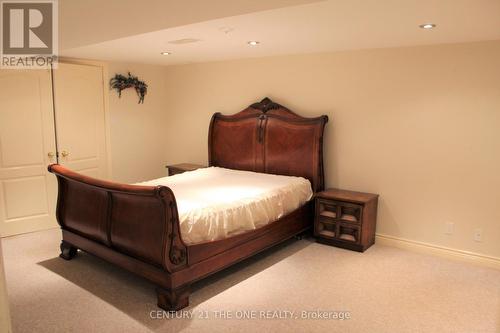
{"x":349,"y":233}
{"x":342,"y":211}
{"x":351,"y":213}
{"x":327,"y":209}
{"x":326,"y":227}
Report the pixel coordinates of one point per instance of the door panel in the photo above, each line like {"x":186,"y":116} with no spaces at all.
{"x":27,"y":190}
{"x":24,"y":139}
{"x":20,"y":190}
{"x":79,"y":105}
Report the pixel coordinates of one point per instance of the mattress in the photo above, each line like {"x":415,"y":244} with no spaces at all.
{"x":216,"y":203}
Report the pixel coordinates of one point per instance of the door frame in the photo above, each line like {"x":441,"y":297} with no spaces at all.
{"x":105,"y":86}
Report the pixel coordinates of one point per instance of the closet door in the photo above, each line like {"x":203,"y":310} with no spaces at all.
{"x":27,"y":146}
{"x":80,"y":119}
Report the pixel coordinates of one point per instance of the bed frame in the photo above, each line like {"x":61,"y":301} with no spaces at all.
{"x":137,"y":227}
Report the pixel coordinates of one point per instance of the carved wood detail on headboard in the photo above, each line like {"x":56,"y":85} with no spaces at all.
{"x":265,"y":105}
{"x":267,"y":137}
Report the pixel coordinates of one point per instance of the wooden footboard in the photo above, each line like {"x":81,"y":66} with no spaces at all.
{"x":138,"y":221}
{"x":137,"y":228}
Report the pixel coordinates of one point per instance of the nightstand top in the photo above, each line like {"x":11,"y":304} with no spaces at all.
{"x":186,"y":166}
{"x":345,"y":195}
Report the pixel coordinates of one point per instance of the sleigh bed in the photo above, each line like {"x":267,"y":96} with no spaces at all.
{"x":137,"y":227}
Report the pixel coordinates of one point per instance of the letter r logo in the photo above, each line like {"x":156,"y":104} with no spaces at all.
{"x":27,"y":27}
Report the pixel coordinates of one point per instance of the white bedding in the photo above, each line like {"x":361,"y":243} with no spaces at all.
{"x":216,"y":203}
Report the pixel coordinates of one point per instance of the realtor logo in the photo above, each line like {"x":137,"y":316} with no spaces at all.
{"x":29,"y":33}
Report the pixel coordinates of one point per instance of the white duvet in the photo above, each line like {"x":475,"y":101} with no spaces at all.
{"x":216,"y":203}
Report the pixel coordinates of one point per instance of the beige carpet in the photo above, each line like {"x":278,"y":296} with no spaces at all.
{"x":384,"y":290}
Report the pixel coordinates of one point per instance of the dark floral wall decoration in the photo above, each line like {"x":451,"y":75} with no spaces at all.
{"x":120,"y":82}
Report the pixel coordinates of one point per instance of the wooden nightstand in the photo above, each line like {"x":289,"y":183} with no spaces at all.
{"x":175,"y":169}
{"x":345,"y":218}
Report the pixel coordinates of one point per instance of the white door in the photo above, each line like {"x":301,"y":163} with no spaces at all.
{"x":27,"y":146}
{"x":80,"y":119}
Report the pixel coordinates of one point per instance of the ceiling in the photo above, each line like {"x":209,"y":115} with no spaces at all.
{"x":281,"y":27}
{"x":86,"y":22}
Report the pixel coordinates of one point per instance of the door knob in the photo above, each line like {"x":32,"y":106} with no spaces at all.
{"x":51,"y":154}
{"x":64,"y":153}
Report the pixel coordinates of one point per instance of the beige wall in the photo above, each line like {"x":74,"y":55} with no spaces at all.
{"x":137,"y":130}
{"x":420,"y":126}
{"x":4,"y":305}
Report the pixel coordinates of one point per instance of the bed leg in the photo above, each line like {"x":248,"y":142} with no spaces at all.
{"x":173,"y":300}
{"x":68,"y":251}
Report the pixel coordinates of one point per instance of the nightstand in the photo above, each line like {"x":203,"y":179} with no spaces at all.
{"x":175,"y":169}
{"x":345,"y":218}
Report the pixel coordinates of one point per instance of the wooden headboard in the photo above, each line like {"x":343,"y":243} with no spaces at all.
{"x":267,"y":137}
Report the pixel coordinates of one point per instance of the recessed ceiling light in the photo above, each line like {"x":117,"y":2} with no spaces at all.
{"x":427,"y":26}
{"x":166,"y":53}
{"x":253,"y":43}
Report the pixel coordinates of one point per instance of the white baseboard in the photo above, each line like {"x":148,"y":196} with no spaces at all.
{"x":441,"y":251}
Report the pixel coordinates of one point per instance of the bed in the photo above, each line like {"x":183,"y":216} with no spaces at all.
{"x":144,"y":229}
